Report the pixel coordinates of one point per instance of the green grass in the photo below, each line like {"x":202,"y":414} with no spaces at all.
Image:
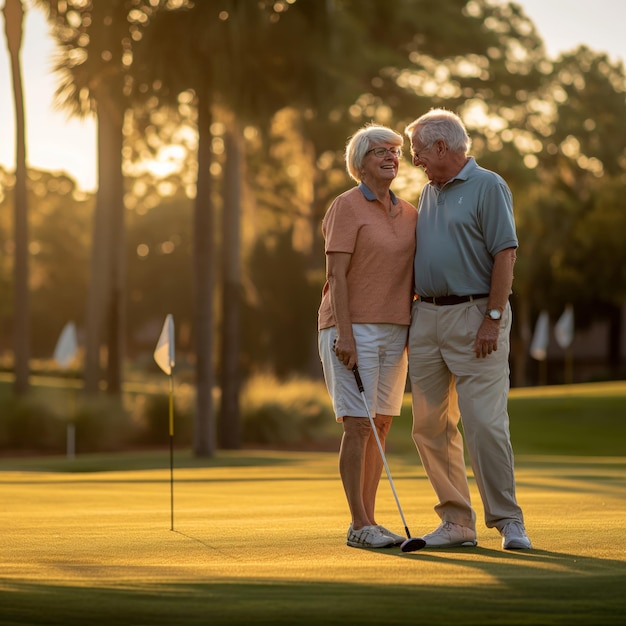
{"x":588,"y":420}
{"x":259,"y":536}
{"x":570,"y":419}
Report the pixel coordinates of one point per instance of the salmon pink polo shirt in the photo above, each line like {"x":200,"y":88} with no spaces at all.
{"x":382,"y":245}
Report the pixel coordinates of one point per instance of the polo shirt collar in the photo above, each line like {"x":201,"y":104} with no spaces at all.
{"x":466,"y":170}
{"x":369,"y":194}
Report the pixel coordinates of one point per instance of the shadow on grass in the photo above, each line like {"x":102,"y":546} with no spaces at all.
{"x":497,"y":562}
{"x":152,"y":460}
{"x":572,"y":591}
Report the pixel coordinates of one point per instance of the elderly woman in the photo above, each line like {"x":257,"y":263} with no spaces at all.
{"x":364,"y":317}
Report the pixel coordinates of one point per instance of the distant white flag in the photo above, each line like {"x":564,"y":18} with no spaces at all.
{"x":564,"y":328}
{"x":539,"y":344}
{"x":164,"y":352}
{"x":67,"y":345}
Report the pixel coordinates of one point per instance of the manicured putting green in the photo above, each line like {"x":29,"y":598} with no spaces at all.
{"x":259,"y":538}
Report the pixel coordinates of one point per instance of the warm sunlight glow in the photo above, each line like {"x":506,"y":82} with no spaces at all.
{"x":58,"y":144}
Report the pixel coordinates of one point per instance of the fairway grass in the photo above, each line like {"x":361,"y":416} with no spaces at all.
{"x":259,"y":538}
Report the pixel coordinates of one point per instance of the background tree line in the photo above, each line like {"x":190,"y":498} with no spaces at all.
{"x":250,"y":104}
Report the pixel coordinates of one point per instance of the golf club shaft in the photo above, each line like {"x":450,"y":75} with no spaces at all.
{"x":359,"y":383}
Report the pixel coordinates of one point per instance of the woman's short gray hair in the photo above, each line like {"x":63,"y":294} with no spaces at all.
{"x":361,"y":142}
{"x":440,"y":124}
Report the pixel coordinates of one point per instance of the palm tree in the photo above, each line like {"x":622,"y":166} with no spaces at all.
{"x":13,"y":16}
{"x":233,"y":60}
{"x":229,"y":427}
{"x":177,"y":53}
{"x":95,"y":39}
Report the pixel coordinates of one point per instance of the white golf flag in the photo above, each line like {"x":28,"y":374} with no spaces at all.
{"x":67,"y":345}
{"x":564,"y":328}
{"x":164,"y":352}
{"x":539,"y":344}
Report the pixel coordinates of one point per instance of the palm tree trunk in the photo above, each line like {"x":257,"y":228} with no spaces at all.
{"x":106,"y":298}
{"x":229,"y":425}
{"x":98,"y":296}
{"x":112,"y":155}
{"x":13,"y":15}
{"x":316,"y":256}
{"x":204,"y":423}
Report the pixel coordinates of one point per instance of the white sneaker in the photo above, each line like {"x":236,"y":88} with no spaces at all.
{"x":450,"y":535}
{"x":397,"y":539}
{"x":514,"y":536}
{"x":368,"y":537}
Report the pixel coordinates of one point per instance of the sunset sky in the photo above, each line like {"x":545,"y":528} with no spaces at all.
{"x":58,"y":144}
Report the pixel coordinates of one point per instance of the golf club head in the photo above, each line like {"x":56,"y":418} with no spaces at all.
{"x":413,"y":544}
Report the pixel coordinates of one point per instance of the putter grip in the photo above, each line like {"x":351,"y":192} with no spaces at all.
{"x":357,"y":376}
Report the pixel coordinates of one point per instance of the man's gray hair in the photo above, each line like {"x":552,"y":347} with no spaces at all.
{"x":440,"y":124}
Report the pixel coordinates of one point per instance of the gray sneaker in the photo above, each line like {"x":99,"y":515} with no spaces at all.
{"x":368,"y":537}
{"x":514,"y":536}
{"x":451,"y":535}
{"x":397,"y":539}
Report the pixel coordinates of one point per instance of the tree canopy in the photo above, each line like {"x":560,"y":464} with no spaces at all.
{"x":227,"y":121}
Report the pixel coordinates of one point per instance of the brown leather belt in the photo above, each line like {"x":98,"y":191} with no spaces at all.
{"x":448,"y":300}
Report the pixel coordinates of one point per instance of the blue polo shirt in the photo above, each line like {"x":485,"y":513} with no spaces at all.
{"x":461,"y":226}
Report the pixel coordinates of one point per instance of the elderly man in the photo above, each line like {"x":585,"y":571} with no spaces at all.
{"x":459,"y":335}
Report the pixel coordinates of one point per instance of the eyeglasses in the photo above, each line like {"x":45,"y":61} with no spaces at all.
{"x":382,"y":152}
{"x":415,"y":154}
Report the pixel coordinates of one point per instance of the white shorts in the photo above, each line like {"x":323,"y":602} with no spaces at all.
{"x":382,"y":360}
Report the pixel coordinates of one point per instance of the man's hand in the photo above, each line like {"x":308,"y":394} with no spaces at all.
{"x":487,"y":338}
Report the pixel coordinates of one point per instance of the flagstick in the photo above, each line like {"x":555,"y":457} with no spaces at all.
{"x":70,"y":436}
{"x":172,"y":451}
{"x":543,"y":372}
{"x":70,"y":431}
{"x":164,"y":357}
{"x":569,"y":366}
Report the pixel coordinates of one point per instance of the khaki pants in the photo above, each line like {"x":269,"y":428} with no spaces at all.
{"x":444,"y":369}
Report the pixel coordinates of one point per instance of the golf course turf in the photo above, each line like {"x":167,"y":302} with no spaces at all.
{"x":260,"y":539}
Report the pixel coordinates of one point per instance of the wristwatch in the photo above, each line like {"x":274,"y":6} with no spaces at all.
{"x":493,"y":314}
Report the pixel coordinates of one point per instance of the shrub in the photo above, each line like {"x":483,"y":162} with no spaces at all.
{"x":31,"y":424}
{"x":296,"y":411}
{"x":102,"y":425}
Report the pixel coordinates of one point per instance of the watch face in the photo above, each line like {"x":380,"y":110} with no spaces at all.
{"x":494,"y":314}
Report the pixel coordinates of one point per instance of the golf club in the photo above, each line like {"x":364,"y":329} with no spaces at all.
{"x":412,"y":543}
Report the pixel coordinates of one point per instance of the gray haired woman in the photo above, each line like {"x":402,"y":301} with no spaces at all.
{"x":364,"y":316}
